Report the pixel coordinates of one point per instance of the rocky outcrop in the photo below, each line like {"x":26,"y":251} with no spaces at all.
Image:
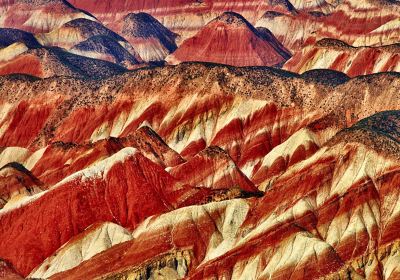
{"x":16,"y":183}
{"x":102,"y":148}
{"x":231,"y":39}
{"x":337,"y":55}
{"x":39,"y":15}
{"x":184,"y":17}
{"x":105,"y":48}
{"x":149,"y":38}
{"x":95,"y":239}
{"x":212,"y":168}
{"x":49,"y":62}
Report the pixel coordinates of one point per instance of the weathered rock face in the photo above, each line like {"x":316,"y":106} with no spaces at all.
{"x":149,"y":38}
{"x":231,"y":39}
{"x":49,"y":62}
{"x":337,"y":55}
{"x":202,"y":171}
{"x":105,"y":48}
{"x":185,"y":17}
{"x":304,"y":227}
{"x":17,"y":182}
{"x":357,"y":23}
{"x":38,"y":16}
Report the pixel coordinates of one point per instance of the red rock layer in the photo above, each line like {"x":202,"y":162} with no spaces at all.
{"x":250,"y":113}
{"x":336,"y":55}
{"x":212,"y":168}
{"x":333,"y":215}
{"x":230,"y":39}
{"x":112,"y":190}
{"x":39,"y":15}
{"x":185,"y":17}
{"x":7,"y":272}
{"x":17,"y":181}
{"x":49,"y":62}
{"x":358,"y":23}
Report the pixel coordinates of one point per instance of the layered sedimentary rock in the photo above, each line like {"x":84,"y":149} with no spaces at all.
{"x":200,"y":143}
{"x":149,"y":38}
{"x":76,"y":31}
{"x":337,"y":55}
{"x":95,"y":239}
{"x":105,"y":48}
{"x":185,"y":17}
{"x":16,"y":183}
{"x":231,"y":39}
{"x":49,"y":62}
{"x":92,"y":39}
{"x":38,"y":15}
{"x":357,"y":23}
{"x":339,"y":222}
{"x":214,"y":169}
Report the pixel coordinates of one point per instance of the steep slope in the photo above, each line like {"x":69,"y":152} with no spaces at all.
{"x":105,"y":48}
{"x":9,"y":36}
{"x":76,"y":31}
{"x":337,"y":55}
{"x":184,"y":17}
{"x":338,"y":222}
{"x":38,"y":16}
{"x":110,"y":190}
{"x":77,"y":131}
{"x":91,"y":38}
{"x":293,"y":30}
{"x":95,"y":239}
{"x":356,"y":22}
{"x":212,"y":168}
{"x":150,"y":39}
{"x":48,"y":62}
{"x":231,"y":39}
{"x":16,"y":182}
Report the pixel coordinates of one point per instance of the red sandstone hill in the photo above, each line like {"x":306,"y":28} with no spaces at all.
{"x":231,"y":39}
{"x":48,"y":62}
{"x":149,"y":38}
{"x":38,"y":16}
{"x":17,"y":182}
{"x":337,"y":55}
{"x":184,"y":17}
{"x":135,"y":185}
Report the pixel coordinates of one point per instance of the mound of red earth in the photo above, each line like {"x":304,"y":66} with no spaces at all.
{"x":149,"y":38}
{"x":76,"y":31}
{"x":185,"y":17}
{"x":49,"y":62}
{"x":356,"y":22}
{"x":337,"y":55}
{"x":105,"y":48}
{"x":38,"y":16}
{"x":231,"y":39}
{"x":201,"y":171}
{"x":17,"y":182}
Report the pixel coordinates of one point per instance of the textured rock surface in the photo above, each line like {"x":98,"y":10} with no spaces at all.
{"x":199,"y":170}
{"x":49,"y":62}
{"x":337,"y":55}
{"x":231,"y":39}
{"x":291,"y":145}
{"x":149,"y":38}
{"x":38,"y":16}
